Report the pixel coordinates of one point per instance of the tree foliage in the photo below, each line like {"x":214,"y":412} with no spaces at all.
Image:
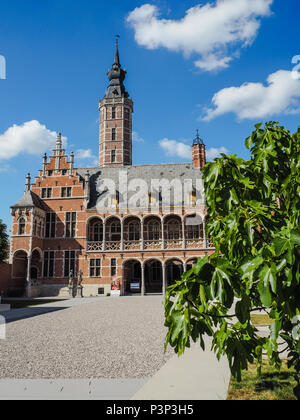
{"x":4,"y":242}
{"x":254,"y":222}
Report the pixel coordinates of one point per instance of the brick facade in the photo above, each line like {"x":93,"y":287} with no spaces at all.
{"x":57,"y":227}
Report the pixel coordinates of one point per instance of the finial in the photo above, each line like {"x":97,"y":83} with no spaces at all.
{"x":58,"y":142}
{"x":117,"y":57}
{"x":28,"y":182}
{"x":197,"y":139}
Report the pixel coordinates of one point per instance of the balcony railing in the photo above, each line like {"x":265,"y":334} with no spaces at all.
{"x":95,"y":246}
{"x":132,"y":245}
{"x":139,"y":245}
{"x":173,"y":243}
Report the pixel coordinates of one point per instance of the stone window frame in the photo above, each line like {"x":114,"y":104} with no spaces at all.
{"x":46,"y":193}
{"x":51,"y":219}
{"x":113,"y":112}
{"x":66,"y":192}
{"x":69,"y":262}
{"x":71,"y":224}
{"x":95,"y":266}
{"x":113,"y":267}
{"x":21,"y":226}
{"x":48,"y":264}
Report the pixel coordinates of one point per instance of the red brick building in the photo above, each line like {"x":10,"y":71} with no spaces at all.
{"x":139,"y":226}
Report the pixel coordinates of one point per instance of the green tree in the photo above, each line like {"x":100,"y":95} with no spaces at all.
{"x":4,"y":242}
{"x":254,"y":217}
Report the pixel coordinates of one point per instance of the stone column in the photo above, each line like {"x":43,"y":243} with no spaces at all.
{"x":142,"y":235}
{"x":204,"y":235}
{"x":122,"y":235}
{"x":164,"y":278}
{"x":143,"y":279}
{"x":104,"y":235}
{"x":28,"y":281}
{"x":183,"y":234}
{"x":163,"y":245}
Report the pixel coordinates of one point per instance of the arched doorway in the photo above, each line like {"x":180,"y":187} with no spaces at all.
{"x":33,"y":274}
{"x":132,"y":277}
{"x":174,"y":271}
{"x":153,"y":277}
{"x":19,"y":272}
{"x":36,"y":265}
{"x":190,"y":263}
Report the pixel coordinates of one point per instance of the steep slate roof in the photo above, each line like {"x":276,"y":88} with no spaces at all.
{"x":30,"y":199}
{"x":181,"y":171}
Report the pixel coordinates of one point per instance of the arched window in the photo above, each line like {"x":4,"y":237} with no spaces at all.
{"x":194,"y":231}
{"x":22,"y":224}
{"x":115,"y":231}
{"x":96,"y":232}
{"x":153,"y":230}
{"x":134,"y":231}
{"x":173,"y":229}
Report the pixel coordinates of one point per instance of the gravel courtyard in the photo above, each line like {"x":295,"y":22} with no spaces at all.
{"x":107,"y":338}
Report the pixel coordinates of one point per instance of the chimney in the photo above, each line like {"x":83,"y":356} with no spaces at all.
{"x":199,"y":152}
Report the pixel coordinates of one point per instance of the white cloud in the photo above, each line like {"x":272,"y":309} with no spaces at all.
{"x":84,"y":154}
{"x":214,"y":152}
{"x":30,"y":138}
{"x":136,"y":137}
{"x":175,"y":148}
{"x":206,"y":30}
{"x":212,"y":63}
{"x":254,"y":100}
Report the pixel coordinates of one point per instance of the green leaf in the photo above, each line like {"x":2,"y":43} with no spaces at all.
{"x":251,"y":265}
{"x":265,"y":294}
{"x":200,"y":264}
{"x":281,"y":245}
{"x":295,"y":237}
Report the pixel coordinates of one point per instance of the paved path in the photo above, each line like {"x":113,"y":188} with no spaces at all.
{"x":118,"y":342}
{"x":196,"y":375}
{"x":69,"y":389}
{"x":112,"y":338}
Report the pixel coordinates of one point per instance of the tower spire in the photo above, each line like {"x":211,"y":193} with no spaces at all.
{"x":116,"y":76}
{"x":117,"y":56}
{"x":116,"y":108}
{"x":199,"y":152}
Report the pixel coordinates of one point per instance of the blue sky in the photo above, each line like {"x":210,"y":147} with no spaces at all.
{"x":179,"y":55}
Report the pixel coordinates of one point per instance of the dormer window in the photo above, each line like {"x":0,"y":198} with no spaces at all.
{"x":22,"y":224}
